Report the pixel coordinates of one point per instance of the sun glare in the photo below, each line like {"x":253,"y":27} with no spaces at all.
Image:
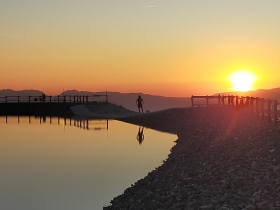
{"x":242,"y":80}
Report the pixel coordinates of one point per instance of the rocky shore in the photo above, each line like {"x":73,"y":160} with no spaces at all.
{"x":223,"y":159}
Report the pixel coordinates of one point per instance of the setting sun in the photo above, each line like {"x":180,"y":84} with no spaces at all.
{"x":242,"y":80}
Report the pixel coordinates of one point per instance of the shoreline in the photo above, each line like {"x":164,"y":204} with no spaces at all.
{"x":223,"y":159}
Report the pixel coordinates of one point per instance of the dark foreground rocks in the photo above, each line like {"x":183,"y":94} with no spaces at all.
{"x":224,"y":159}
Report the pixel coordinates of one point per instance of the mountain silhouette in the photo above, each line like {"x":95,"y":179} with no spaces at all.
{"x":10,"y":92}
{"x":128,"y":100}
{"x":273,"y":94}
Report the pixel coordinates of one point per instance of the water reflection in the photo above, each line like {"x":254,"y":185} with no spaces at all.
{"x":98,"y":124}
{"x":52,"y":164}
{"x":140,"y":135}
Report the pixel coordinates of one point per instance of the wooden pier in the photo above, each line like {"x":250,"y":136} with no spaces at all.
{"x":55,"y":99}
{"x":258,"y":106}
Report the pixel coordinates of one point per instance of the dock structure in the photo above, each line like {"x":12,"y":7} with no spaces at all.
{"x":255,"y":105}
{"x":56,"y":99}
{"x":46,"y":105}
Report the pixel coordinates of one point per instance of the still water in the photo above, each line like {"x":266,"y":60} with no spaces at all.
{"x":55,"y":164}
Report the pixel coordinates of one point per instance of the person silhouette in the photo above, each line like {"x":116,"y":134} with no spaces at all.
{"x":140,"y":102}
{"x":140,"y":135}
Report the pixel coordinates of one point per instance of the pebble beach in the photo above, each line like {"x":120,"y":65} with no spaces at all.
{"x":224,"y":158}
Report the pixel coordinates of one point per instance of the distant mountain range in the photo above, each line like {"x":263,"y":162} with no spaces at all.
{"x":151,"y":102}
{"x":10,"y":92}
{"x":128,"y":100}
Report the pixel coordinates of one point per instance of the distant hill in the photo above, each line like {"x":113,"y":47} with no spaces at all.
{"x":128,"y":100}
{"x":273,"y":94}
{"x":10,"y":92}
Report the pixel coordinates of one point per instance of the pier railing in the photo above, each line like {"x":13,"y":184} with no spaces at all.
{"x":55,"y":99}
{"x":259,"y":106}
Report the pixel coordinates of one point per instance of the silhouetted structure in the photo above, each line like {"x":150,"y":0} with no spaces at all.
{"x":255,"y":105}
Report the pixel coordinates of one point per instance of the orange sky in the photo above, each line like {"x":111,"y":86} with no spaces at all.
{"x":177,"y":48}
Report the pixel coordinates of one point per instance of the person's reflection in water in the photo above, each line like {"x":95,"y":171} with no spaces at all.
{"x":140,"y":135}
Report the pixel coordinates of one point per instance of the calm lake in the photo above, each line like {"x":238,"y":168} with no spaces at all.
{"x":52,"y":164}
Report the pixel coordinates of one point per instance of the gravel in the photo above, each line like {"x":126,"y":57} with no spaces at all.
{"x":224,"y":158}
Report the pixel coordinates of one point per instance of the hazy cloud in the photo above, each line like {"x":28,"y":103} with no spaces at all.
{"x":152,"y":6}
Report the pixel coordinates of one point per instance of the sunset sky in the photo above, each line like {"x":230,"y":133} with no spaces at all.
{"x":160,"y":47}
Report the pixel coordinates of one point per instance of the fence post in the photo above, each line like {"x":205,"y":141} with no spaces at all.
{"x":269,"y":110}
{"x":262,"y":107}
{"x":247,"y":100}
{"x":219,"y":98}
{"x":257,"y":105}
{"x":228,"y":99}
{"x":275,"y":104}
{"x":207,"y":101}
{"x":18,"y":99}
{"x":252,"y":105}
{"x":242,"y":101}
{"x":236,"y":101}
{"x":192,"y":100}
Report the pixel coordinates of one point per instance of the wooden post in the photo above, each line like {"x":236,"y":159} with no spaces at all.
{"x":262,"y":107}
{"x":219,"y":99}
{"x":275,"y":104}
{"x":252,"y":105}
{"x":207,"y":101}
{"x":228,"y":99}
{"x":257,"y":106}
{"x":247,"y":100}
{"x":232,"y":97}
{"x":192,"y":100}
{"x":242,"y":101}
{"x":18,"y":99}
{"x":269,"y":110}
{"x":236,"y":101}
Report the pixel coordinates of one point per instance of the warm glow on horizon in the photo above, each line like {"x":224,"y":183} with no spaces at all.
{"x":242,"y":80}
{"x":129,"y":46}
